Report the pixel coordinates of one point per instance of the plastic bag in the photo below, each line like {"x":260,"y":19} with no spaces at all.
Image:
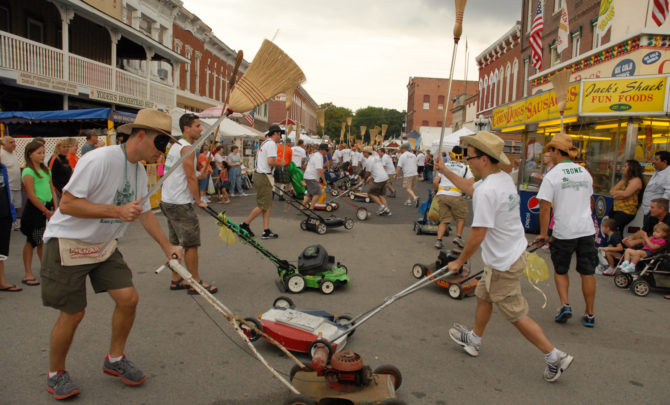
{"x":536,"y":270}
{"x":210,"y":186}
{"x":226,"y":234}
{"x":434,"y":211}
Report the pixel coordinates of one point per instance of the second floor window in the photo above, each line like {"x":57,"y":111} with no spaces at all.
{"x":426,"y":102}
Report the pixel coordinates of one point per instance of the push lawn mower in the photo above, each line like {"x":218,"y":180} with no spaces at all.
{"x":316,"y":269}
{"x":361,"y":212}
{"x":457,"y":288}
{"x":423,"y":225}
{"x":323,"y":205}
{"x":314,"y":222}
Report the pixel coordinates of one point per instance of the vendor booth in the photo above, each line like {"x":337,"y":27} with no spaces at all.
{"x":610,"y":120}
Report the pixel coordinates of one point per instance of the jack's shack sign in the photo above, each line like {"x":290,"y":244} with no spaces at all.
{"x":640,"y":95}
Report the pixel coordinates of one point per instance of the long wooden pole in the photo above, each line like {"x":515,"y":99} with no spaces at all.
{"x":458,"y":29}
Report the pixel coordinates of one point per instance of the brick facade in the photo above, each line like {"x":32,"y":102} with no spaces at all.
{"x":425,"y":100}
{"x":303,"y":110}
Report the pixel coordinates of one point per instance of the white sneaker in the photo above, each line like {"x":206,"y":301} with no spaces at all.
{"x":461,"y":335}
{"x":627,"y":268}
{"x":244,"y":194}
{"x":408,"y":202}
{"x":554,"y":369}
{"x":600,"y":269}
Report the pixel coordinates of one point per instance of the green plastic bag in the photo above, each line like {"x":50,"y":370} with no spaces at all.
{"x":434,"y":211}
{"x":296,"y":179}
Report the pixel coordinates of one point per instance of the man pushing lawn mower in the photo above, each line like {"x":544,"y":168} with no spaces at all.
{"x":313,"y":173}
{"x":497,"y":227}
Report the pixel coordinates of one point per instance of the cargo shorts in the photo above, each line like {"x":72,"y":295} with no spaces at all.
{"x":64,"y":287}
{"x":503,"y":288}
{"x":183,"y":224}
{"x":452,"y":208}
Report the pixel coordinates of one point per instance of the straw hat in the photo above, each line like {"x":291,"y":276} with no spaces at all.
{"x":562,"y":142}
{"x":149,"y":118}
{"x":490,"y":144}
{"x":368,"y":149}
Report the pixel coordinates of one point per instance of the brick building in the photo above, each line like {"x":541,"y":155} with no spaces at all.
{"x":303,"y":110}
{"x":425,"y":100}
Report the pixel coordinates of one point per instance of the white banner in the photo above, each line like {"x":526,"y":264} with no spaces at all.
{"x":605,"y":16}
{"x":563,"y":30}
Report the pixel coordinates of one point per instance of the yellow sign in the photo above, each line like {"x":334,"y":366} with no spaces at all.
{"x":537,"y":108}
{"x":640,"y":95}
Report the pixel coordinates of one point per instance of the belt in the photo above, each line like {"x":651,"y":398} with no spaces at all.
{"x":456,"y":189}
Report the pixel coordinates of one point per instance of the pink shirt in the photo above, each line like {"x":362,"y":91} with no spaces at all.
{"x":659,"y":242}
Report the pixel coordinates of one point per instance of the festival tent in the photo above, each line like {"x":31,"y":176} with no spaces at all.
{"x":227,"y":129}
{"x":307,"y":139}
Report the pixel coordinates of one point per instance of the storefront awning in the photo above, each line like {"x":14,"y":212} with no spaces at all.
{"x":90,"y":114}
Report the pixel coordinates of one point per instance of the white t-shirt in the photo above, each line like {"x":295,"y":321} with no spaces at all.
{"x":314,"y":163}
{"x":219,"y":158}
{"x":407,"y":162}
{"x":495,"y":205}
{"x":446,"y":186}
{"x":175,"y":188}
{"x":569,"y":187}
{"x":99,"y":177}
{"x":373,"y":164}
{"x":387,"y":162}
{"x":356,"y":157}
{"x":267,"y":150}
{"x":346,"y":155}
{"x":13,"y":169}
{"x":299,"y":155}
{"x":421,"y":159}
{"x":336,"y":156}
{"x":657,"y":187}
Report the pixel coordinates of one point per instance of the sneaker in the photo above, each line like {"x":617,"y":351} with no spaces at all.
{"x":125,"y":369}
{"x":61,"y":386}
{"x":387,"y":213}
{"x":458,"y":241}
{"x":610,"y":271}
{"x":408,"y":203}
{"x":554,"y":370}
{"x":416,"y":202}
{"x":233,"y":195}
{"x":461,"y":335}
{"x":269,"y":235}
{"x":244,"y":194}
{"x":564,"y":313}
{"x":380,"y":210}
{"x":392,"y":195}
{"x":627,"y":268}
{"x":438,"y":244}
{"x":246,"y":228}
{"x":589,"y":321}
{"x":600,"y":269}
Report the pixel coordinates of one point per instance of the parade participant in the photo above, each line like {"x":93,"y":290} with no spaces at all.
{"x":299,"y":154}
{"x":376,"y":175}
{"x":40,"y":206}
{"x":266,"y":160}
{"x":387,"y":162}
{"x":7,"y":217}
{"x":345,"y":154}
{"x":235,"y":172}
{"x":407,"y":162}
{"x":179,"y":196}
{"x":313,"y":174}
{"x":337,"y":160}
{"x":420,"y":163}
{"x":11,"y":162}
{"x":659,"y":183}
{"x":568,"y":187}
{"x":98,"y":204}
{"x":356,"y":160}
{"x":498,"y":229}
{"x":91,"y":143}
{"x":450,"y":199}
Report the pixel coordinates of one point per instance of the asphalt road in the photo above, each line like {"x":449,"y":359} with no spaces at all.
{"x":192,"y":355}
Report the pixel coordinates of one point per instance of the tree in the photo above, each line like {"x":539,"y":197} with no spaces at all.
{"x":369,"y":116}
{"x":334,"y":117}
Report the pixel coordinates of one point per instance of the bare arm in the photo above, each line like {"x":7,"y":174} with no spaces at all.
{"x":189,"y":171}
{"x":273,"y":162}
{"x":634,"y":185}
{"x":29,"y":183}
{"x":545,"y":215}
{"x":466,"y":185}
{"x":82,"y":208}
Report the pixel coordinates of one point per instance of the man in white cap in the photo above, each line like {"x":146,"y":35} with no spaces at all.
{"x":567,"y":188}
{"x":100,"y":200}
{"x":377,"y":177}
{"x":497,"y":228}
{"x":407,"y":162}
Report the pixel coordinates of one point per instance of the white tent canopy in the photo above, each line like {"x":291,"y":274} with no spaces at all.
{"x":308,"y":140}
{"x":450,"y":140}
{"x":227,"y":129}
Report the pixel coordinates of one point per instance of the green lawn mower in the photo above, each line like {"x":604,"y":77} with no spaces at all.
{"x":316,"y":269}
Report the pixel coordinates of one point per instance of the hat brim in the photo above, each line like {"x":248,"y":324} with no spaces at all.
{"x":477,"y":143}
{"x":128,"y":128}
{"x":571,"y":151}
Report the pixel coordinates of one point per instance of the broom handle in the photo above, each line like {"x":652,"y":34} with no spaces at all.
{"x":446,"y":102}
{"x":231,"y":83}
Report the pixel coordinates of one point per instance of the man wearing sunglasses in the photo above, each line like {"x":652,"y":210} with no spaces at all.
{"x":100,"y":200}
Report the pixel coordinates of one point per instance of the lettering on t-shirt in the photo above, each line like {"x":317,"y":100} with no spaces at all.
{"x":568,"y":183}
{"x":572,"y":170}
{"x":513,"y":202}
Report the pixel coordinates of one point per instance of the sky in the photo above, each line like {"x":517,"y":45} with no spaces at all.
{"x":360,"y":53}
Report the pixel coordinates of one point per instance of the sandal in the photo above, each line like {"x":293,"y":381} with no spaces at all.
{"x":32,"y":282}
{"x":12,"y":288}
{"x":177,"y":285}
{"x":210,"y":288}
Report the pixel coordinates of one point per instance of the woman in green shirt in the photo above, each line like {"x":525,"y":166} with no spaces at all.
{"x":39,"y":208}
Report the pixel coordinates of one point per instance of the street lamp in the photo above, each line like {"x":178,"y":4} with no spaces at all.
{"x":482,"y":123}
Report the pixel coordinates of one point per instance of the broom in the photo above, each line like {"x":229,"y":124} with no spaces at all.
{"x":349,"y":125}
{"x":363,"y":128}
{"x":321,"y":117}
{"x":289,"y":101}
{"x":342,"y":132}
{"x":561,"y":82}
{"x":458,"y":30}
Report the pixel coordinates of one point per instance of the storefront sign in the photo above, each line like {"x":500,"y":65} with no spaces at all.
{"x":537,"y":108}
{"x":640,"y":95}
{"x":117,"y":98}
{"x":46,"y":83}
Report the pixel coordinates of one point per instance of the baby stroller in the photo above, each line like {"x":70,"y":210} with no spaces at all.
{"x":423,"y":225}
{"x":652,"y":271}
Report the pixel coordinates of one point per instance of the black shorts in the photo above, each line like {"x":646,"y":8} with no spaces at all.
{"x":585,"y":248}
{"x":5,"y":235}
{"x":420,"y":169}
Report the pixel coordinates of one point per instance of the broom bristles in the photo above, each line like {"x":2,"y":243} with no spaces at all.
{"x":289,"y":98}
{"x":270,"y":73}
{"x":363,"y":128}
{"x":349,"y":120}
{"x":321,"y":117}
{"x":384,"y":128}
{"x":344,"y":125}
{"x":458,"y":25}
{"x":561,"y":82}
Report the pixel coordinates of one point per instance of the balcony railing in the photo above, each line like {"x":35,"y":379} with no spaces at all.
{"x":21,"y":54}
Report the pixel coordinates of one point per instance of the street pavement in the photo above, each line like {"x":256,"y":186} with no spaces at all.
{"x":191,"y":354}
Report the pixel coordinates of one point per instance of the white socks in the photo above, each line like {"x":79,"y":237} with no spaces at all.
{"x":474,"y":338}
{"x":552,"y":356}
{"x":114,"y":359}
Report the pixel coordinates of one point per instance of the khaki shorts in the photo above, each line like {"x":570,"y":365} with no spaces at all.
{"x":64,"y":287}
{"x":503,"y":288}
{"x":452,"y":208}
{"x":183,"y":224}
{"x":377,"y":188}
{"x":409,"y":182}
{"x":263,"y":191}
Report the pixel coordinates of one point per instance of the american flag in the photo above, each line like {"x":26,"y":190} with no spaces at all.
{"x":660,"y":11}
{"x":250,"y":118}
{"x":535,"y":40}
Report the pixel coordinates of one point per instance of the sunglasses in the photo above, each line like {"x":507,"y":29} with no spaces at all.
{"x":161,"y":142}
{"x":473,"y":157}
